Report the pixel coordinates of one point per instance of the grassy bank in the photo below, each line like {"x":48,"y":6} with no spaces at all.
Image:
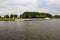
{"x":7,"y":19}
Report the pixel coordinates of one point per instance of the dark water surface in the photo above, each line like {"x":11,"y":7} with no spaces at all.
{"x":30,"y":30}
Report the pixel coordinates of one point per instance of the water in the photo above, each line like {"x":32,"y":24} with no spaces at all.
{"x":30,"y":30}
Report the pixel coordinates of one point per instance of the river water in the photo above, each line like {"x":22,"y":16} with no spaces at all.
{"x":30,"y":30}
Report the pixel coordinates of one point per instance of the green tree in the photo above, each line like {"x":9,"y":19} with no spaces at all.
{"x":57,"y":16}
{"x":6,"y":16}
{"x":15,"y":16}
{"x":0,"y":16}
{"x":35,"y":15}
{"x":11,"y":16}
{"x":49,"y":15}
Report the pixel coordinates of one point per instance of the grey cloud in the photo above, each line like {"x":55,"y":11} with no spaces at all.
{"x":52,"y":8}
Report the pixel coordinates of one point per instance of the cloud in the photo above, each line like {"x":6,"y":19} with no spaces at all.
{"x":16,"y":6}
{"x":52,"y":6}
{"x":19,"y":6}
{"x":53,"y":1}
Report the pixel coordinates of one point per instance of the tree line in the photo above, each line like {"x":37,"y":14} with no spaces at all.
{"x":10,"y":16}
{"x":35,"y":15}
{"x":31,"y":15}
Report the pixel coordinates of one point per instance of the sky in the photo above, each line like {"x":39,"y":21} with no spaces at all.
{"x":20,"y":6}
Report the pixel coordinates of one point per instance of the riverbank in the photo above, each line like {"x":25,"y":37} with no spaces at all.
{"x":7,"y":19}
{"x":23,"y":19}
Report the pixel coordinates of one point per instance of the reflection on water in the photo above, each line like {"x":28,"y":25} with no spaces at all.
{"x":30,"y":30}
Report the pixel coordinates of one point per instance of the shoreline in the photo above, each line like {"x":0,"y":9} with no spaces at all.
{"x":7,"y":19}
{"x":14,"y":19}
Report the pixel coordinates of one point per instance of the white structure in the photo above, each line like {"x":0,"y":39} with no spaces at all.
{"x":47,"y":18}
{"x":27,"y":19}
{"x":19,"y":20}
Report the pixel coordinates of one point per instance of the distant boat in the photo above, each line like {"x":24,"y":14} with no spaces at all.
{"x":47,"y":18}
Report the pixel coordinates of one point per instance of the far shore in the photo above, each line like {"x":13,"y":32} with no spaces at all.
{"x":13,"y":19}
{"x":7,"y":19}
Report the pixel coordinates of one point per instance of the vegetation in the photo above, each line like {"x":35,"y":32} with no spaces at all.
{"x":57,"y":16}
{"x":35,"y":15}
{"x":7,"y":19}
{"x":11,"y":16}
{"x":0,"y":16}
{"x":15,"y":16}
{"x":27,"y":15}
{"x":6,"y":16}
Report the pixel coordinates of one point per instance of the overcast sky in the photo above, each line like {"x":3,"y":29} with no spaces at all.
{"x":19,"y":6}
